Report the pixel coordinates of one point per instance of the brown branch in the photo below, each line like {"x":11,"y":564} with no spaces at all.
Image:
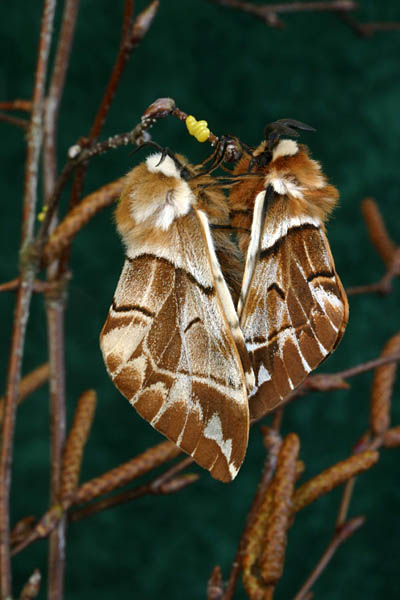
{"x":345,"y":502}
{"x":123,"y":474}
{"x":24,"y":123}
{"x":215,"y":586}
{"x":273,"y":442}
{"x":21,"y":530}
{"x":32,"y":587}
{"x":274,"y":546}
{"x":166,"y":483}
{"x":130,"y":39}
{"x":336,"y":381}
{"x":25,"y":105}
{"x":340,"y":536}
{"x":23,"y":295}
{"x":161,"y":485}
{"x":56,"y":88}
{"x":332,"y":477}
{"x":391,"y":439}
{"x":74,"y":445}
{"x":79,"y":216}
{"x":382,"y":388}
{"x":377,"y":231}
{"x":367,"y":29}
{"x":55,"y":306}
{"x":78,"y":155}
{"x":268,"y":13}
{"x":29,"y":384}
{"x":264,"y":548}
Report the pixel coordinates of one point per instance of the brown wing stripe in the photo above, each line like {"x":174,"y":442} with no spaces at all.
{"x":274,"y":334}
{"x":328,"y":274}
{"x":246,"y":211}
{"x":278,"y":290}
{"x":275,"y":247}
{"x":208,"y":291}
{"x":129,"y":307}
{"x":192,"y":322}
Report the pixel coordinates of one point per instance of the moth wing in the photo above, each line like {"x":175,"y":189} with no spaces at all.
{"x":295,"y":310}
{"x":168,"y":348}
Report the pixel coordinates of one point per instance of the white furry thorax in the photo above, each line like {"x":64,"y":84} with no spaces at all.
{"x":167,"y":206}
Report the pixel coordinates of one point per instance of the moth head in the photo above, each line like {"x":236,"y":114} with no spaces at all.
{"x":156,"y":193}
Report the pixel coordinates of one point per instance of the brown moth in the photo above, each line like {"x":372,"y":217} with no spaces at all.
{"x":293,"y":309}
{"x":172,"y":343}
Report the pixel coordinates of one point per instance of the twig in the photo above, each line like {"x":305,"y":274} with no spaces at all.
{"x":332,"y":477}
{"x":31,"y":588}
{"x":384,"y":285}
{"x":22,"y":529}
{"x":377,"y":230}
{"x":28,"y":384}
{"x":121,"y":475}
{"x":273,"y":551}
{"x":79,"y":155}
{"x":268,"y":13}
{"x":130,"y":39}
{"x":367,"y":29}
{"x":78,"y":217}
{"x":24,"y":294}
{"x":215,"y":589}
{"x":56,"y":87}
{"x":340,"y":536}
{"x":24,"y":123}
{"x":55,"y":306}
{"x":266,"y":539}
{"x":25,"y":105}
{"x":74,"y":445}
{"x":273,"y":442}
{"x":164,"y":484}
{"x":391,"y":439}
{"x":382,"y":388}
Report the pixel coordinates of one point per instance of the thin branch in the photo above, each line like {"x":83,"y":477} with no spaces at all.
{"x":159,"y":486}
{"x":126,"y":472}
{"x":31,"y":588}
{"x":384,"y":285}
{"x":79,"y":216}
{"x":377,"y":230}
{"x":340,"y":536}
{"x":273,"y":442}
{"x":130,"y":39}
{"x":80,"y":155}
{"x":268,"y":13}
{"x":56,"y":88}
{"x":39,"y":286}
{"x":24,"y":123}
{"x":74,"y":445}
{"x":25,"y":105}
{"x":332,"y":477}
{"x":55,"y":306}
{"x":29,"y":384}
{"x":24,"y":294}
{"x":382,"y":389}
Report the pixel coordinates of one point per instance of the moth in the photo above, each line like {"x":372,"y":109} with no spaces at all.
{"x":293,"y":309}
{"x":172,"y":343}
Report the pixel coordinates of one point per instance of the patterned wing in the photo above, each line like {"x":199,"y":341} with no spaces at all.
{"x":168,"y":348}
{"x":295,"y":310}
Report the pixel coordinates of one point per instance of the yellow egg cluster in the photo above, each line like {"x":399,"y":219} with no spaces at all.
{"x":198,"y":129}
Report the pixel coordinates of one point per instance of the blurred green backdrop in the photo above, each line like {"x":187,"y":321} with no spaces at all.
{"x":232,"y":70}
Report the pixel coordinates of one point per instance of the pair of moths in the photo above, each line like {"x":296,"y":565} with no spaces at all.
{"x":174,"y":344}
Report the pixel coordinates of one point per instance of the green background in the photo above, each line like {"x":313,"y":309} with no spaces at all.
{"x":232,"y":70}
